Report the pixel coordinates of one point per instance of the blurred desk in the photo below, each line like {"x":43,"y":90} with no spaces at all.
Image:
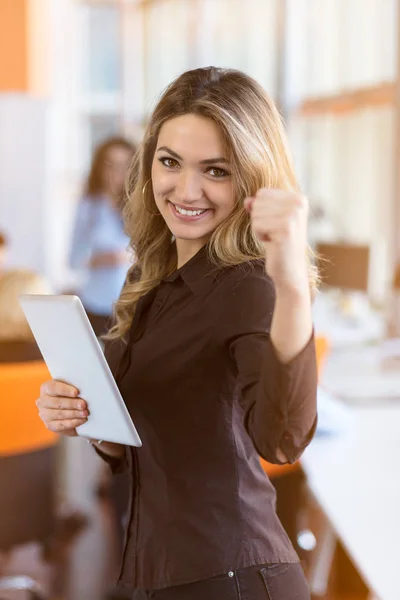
{"x":355,"y":478}
{"x":344,"y":328}
{"x":363,"y":374}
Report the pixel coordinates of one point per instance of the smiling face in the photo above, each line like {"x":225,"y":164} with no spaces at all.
{"x":191,"y":179}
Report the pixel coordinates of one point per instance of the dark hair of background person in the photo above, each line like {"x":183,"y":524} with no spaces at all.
{"x":3,"y":240}
{"x":94,"y":185}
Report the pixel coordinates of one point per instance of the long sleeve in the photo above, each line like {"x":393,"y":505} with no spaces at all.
{"x":81,"y":248}
{"x":279,"y":400}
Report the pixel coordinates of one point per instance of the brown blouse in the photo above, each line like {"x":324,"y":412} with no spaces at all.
{"x":208,"y":395}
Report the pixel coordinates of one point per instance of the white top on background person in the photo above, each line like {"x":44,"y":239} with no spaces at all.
{"x":99,"y":243}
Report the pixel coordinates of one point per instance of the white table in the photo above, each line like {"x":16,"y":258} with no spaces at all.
{"x":355,"y":477}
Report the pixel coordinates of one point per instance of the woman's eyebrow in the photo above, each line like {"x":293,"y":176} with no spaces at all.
{"x":210,"y":161}
{"x":207,"y":161}
{"x":171,"y":152}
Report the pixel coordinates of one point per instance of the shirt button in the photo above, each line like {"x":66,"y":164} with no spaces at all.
{"x":287,"y":436}
{"x":231,"y":574}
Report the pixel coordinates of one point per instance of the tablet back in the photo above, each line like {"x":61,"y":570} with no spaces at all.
{"x":73,"y":354}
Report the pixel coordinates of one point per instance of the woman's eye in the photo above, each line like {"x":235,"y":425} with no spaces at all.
{"x":168,"y":162}
{"x":218,"y":173}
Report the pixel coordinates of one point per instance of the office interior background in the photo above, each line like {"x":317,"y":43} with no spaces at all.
{"x":74,"y":72}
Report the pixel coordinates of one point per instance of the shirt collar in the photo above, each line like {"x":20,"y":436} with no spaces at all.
{"x":197,"y":273}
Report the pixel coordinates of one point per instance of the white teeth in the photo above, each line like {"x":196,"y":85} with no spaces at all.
{"x":189,"y":213}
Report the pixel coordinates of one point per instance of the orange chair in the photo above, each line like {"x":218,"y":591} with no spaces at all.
{"x":21,"y":430}
{"x":321,"y":347}
{"x":27,"y":457}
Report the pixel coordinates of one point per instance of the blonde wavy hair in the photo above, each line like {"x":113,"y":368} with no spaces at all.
{"x":257,"y":149}
{"x":13,"y":324}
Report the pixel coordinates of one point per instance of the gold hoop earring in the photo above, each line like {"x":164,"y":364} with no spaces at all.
{"x":158,"y":214}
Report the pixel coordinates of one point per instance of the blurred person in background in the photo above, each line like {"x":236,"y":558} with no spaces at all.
{"x":212,"y":348}
{"x":99,"y":244}
{"x":3,"y":252}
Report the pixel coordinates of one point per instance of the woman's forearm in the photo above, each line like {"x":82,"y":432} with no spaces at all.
{"x":291,"y":327}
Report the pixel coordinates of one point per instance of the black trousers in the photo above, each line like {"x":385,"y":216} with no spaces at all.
{"x":281,"y":581}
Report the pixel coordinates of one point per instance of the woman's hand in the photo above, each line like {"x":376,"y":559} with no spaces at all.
{"x":279,"y":219}
{"x":60,"y":408}
{"x":62,"y":411}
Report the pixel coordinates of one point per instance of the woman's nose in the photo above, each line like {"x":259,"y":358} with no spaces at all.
{"x":189,"y":188}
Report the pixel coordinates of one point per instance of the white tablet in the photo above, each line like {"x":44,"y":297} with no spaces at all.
{"x":73,"y":354}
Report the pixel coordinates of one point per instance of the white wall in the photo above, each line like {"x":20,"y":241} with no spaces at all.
{"x":42,"y":155}
{"x":24,"y":179}
{"x":67,"y":158}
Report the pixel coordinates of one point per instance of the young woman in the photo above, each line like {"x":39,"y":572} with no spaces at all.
{"x":99,"y":243}
{"x":212,"y":348}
